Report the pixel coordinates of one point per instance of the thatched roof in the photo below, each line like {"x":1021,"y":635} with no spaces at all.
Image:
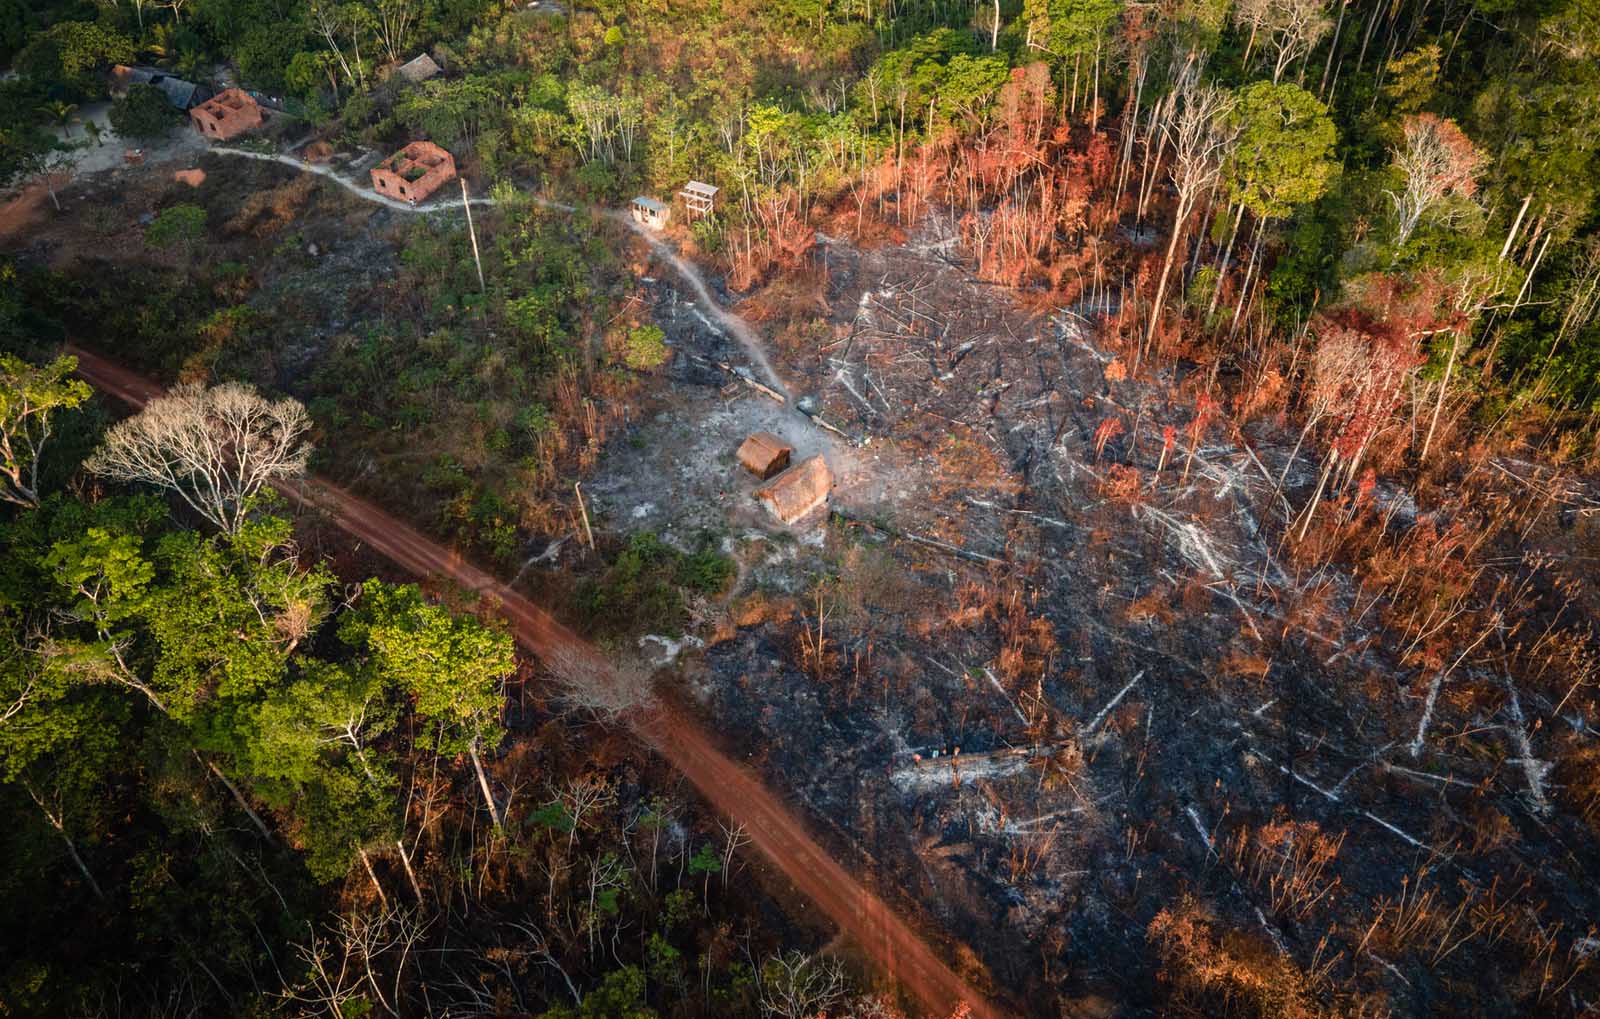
{"x":419,"y":68}
{"x":797,"y":491}
{"x":764,"y":454}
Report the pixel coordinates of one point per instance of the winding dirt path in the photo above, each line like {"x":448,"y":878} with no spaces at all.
{"x":727,"y":786}
{"x":741,"y":330}
{"x":351,"y":186}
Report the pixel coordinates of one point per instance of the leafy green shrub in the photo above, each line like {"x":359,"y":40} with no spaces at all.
{"x":705,"y":572}
{"x":707,"y":235}
{"x":72,"y":55}
{"x":646,"y":349}
{"x":596,"y":182}
{"x":180,"y":225}
{"x":642,"y":590}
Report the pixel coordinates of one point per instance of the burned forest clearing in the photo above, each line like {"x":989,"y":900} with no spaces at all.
{"x":946,"y":511}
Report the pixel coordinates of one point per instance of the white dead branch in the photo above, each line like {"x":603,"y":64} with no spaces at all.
{"x":1395,"y":769}
{"x":551,"y":553}
{"x":894,"y":532}
{"x":1196,"y":547}
{"x":1336,"y":798}
{"x":1534,"y":769}
{"x":663,"y":651}
{"x":743,"y":375}
{"x":1199,"y":826}
{"x":942,"y":772}
{"x":710,"y":326}
{"x":842,"y":371}
{"x":1101,"y":717}
{"x":995,"y":682}
{"x":1433,"y":692}
{"x":1032,"y":825}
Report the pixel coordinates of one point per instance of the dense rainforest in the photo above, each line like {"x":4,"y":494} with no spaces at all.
{"x":250,"y":767}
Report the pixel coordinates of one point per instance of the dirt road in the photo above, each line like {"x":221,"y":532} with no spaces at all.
{"x":729,"y":788}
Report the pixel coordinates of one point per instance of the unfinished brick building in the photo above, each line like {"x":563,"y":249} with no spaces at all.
{"x":414,"y":172}
{"x":226,"y":115}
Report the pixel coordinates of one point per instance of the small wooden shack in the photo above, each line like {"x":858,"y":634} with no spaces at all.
{"x":764,"y":454}
{"x":414,"y":173}
{"x":699,"y":198}
{"x":418,"y":69}
{"x":226,"y":115}
{"x":792,"y":495}
{"x":651,"y":213}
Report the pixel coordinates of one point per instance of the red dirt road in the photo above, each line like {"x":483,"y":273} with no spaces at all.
{"x":728,"y":787}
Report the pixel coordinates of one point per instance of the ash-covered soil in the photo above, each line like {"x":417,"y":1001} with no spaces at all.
{"x":1108,"y":629}
{"x":1038,"y":673}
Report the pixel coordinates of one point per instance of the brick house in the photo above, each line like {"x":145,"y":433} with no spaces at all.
{"x":226,"y":115}
{"x":413,"y":173}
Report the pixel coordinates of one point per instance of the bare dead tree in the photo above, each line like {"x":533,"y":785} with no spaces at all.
{"x":537,"y":946}
{"x":735,"y":838}
{"x":1437,"y":161}
{"x":333,"y":21}
{"x":797,"y":986}
{"x":214,"y":447}
{"x":1255,"y":15}
{"x":606,"y":874}
{"x":56,"y":815}
{"x":1287,"y":29}
{"x":1581,"y":296}
{"x":1201,"y":137}
{"x":583,"y":796}
{"x":393,"y":20}
{"x":349,"y":961}
{"x":1296,"y":28}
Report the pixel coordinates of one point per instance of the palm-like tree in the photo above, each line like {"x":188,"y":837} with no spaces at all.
{"x":62,"y":112}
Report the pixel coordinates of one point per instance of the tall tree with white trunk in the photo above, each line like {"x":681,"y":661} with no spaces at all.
{"x":214,"y":447}
{"x":1201,"y":135}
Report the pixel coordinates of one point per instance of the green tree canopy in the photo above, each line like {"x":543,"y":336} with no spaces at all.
{"x":1284,"y":154}
{"x":451,"y":666}
{"x":143,"y":114}
{"x":30,"y":397}
{"x":1067,"y":28}
{"x":228,"y":613}
{"x":72,"y":53}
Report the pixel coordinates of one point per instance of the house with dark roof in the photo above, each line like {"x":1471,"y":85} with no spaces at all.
{"x":182,"y":94}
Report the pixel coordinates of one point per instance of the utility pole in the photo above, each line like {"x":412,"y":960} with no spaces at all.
{"x":478,"y":261}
